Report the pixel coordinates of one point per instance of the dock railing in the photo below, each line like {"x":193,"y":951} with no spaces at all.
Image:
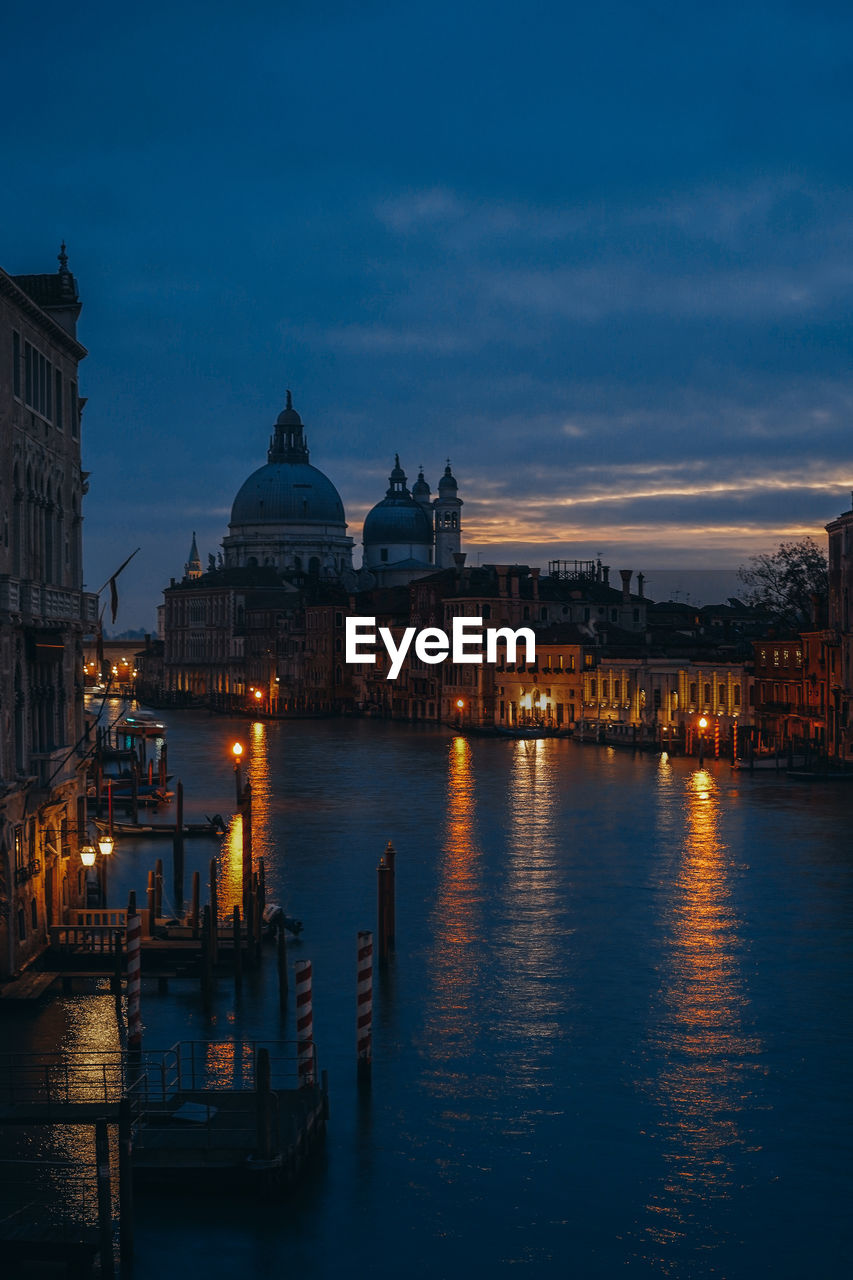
{"x":203,"y":1094}
{"x":53,"y":1081}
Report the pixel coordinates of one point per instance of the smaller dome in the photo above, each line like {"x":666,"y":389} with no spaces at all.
{"x":396,"y":522}
{"x":420,"y":489}
{"x":447,"y":483}
{"x":398,"y":518}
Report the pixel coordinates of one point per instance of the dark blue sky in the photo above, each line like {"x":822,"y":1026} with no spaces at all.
{"x":599,"y":256}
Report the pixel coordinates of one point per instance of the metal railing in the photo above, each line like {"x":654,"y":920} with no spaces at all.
{"x":62,"y":1079}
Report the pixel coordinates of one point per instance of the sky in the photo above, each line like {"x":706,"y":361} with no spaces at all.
{"x":598,"y":256}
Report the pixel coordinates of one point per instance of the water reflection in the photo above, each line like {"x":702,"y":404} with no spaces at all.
{"x":702,"y":1049}
{"x":231,"y":866}
{"x":259,"y":776}
{"x":456,"y":958}
{"x":533,"y":952}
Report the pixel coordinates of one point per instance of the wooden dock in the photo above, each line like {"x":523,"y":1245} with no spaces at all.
{"x":31,"y":985}
{"x":226,"y":1114}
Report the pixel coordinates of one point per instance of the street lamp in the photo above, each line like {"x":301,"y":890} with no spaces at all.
{"x":88,"y":854}
{"x":106,"y":844}
{"x":703,"y":725}
{"x":237,"y":752}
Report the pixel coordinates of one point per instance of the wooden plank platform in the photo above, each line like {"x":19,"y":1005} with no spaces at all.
{"x":222,"y":1145}
{"x":30,"y":986}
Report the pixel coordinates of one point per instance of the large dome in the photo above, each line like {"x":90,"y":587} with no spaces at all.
{"x":288,"y":493}
{"x":288,"y":515}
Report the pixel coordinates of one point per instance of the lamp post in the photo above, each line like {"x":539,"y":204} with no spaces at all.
{"x":89,"y":856}
{"x":237,"y":752}
{"x":703,"y":725}
{"x":460,"y":707}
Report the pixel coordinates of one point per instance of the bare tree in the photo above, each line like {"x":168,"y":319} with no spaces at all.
{"x":785,"y":582}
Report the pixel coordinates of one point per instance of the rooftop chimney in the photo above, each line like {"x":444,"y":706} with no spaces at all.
{"x":625,"y":575}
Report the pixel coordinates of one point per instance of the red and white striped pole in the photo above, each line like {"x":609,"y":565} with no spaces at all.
{"x":304,"y":1023}
{"x":717,"y":738}
{"x":134,"y":980}
{"x":364,"y":1002}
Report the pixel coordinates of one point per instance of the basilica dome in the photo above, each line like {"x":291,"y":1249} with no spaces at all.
{"x":398,"y":519}
{"x":288,"y":514}
{"x":288,"y":492}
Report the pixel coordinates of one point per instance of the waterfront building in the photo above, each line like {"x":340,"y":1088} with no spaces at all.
{"x":652,"y":699}
{"x":211,"y":632}
{"x":44,"y":611}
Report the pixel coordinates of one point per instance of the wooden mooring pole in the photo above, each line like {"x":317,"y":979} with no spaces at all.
{"x":304,"y":1022}
{"x":238,"y":950}
{"x":125,"y":1185}
{"x":281,"y":949}
{"x":246,"y":811}
{"x":194,"y":904}
{"x":158,"y":889}
{"x":385,"y":903}
{"x":134,"y":959}
{"x":105,"y":1201}
{"x":214,"y":914}
{"x":265,"y":1114}
{"x":206,"y":962}
{"x":364,"y":1004}
{"x":178,"y":854}
{"x":152,"y":904}
{"x":118,"y":967}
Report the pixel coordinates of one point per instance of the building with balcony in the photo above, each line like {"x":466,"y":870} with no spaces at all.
{"x":44,"y":611}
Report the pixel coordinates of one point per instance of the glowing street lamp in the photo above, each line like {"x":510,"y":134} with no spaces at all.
{"x":703,"y":725}
{"x":237,"y":752}
{"x":106,"y":844}
{"x":88,"y":855}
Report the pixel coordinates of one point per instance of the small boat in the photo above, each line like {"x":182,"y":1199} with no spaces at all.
{"x":142,"y":724}
{"x":522,"y":731}
{"x":213,"y":827}
{"x":275,"y":919}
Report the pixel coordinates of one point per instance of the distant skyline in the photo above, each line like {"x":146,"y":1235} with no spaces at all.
{"x":599,"y":258}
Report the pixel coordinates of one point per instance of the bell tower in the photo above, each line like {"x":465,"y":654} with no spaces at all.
{"x":448,"y":520}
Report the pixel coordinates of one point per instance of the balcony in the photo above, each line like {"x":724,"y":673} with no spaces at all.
{"x":46,"y":603}
{"x":53,"y":768}
{"x":27,"y":871}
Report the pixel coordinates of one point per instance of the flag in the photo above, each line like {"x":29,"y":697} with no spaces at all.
{"x":111,"y":583}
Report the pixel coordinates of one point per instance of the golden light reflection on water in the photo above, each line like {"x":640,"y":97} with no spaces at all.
{"x":259,"y":776}
{"x":257,"y":772}
{"x":533,"y":984}
{"x":706,"y":1052}
{"x":231,"y":866}
{"x":456,"y":953}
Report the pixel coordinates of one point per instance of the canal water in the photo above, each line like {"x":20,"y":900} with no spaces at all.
{"x":615,"y":1037}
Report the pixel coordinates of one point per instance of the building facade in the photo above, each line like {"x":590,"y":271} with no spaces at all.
{"x":44,"y":612}
{"x":840,"y":651}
